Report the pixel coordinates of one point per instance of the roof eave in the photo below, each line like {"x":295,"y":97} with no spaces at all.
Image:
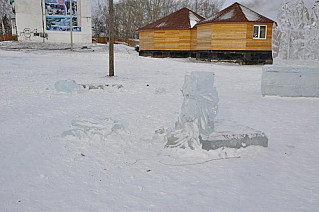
{"x":166,"y":28}
{"x":217,"y":22}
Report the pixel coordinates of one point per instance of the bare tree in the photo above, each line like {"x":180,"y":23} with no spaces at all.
{"x":131,"y":15}
{"x":5,"y":17}
{"x":1,"y":16}
{"x":100,"y":19}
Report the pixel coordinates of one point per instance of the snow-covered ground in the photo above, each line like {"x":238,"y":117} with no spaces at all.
{"x":97,"y":150}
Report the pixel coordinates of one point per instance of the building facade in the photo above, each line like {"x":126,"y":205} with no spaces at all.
{"x":49,"y":20}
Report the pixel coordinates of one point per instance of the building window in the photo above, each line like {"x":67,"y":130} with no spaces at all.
{"x":260,"y":32}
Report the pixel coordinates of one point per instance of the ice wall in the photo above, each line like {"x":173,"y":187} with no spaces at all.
{"x":198,"y":111}
{"x":287,"y":81}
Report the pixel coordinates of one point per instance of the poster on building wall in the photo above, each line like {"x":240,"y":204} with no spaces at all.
{"x":58,"y":15}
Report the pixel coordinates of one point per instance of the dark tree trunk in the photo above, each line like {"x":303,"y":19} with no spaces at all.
{"x":1,"y":29}
{"x":7,"y":25}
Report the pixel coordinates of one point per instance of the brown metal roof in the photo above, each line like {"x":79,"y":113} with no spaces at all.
{"x":237,"y":13}
{"x":181,"y":19}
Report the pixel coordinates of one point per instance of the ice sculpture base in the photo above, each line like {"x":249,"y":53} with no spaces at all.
{"x":290,"y":81}
{"x":230,"y":134}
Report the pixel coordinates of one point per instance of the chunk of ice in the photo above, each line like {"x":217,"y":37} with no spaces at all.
{"x":67,"y":86}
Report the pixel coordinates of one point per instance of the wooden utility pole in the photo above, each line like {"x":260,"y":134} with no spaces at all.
{"x":111,"y":39}
{"x":43,"y":15}
{"x":71,"y":25}
{"x":196,"y":7}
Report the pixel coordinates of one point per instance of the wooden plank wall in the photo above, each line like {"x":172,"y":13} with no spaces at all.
{"x":217,"y":36}
{"x":259,"y":44}
{"x":232,"y":36}
{"x":172,"y":39}
{"x":193,"y":39}
{"x":146,"y":40}
{"x":229,"y":36}
{"x":204,"y":37}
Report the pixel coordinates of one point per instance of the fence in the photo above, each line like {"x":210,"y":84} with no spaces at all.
{"x":132,"y":43}
{"x":99,"y":39}
{"x":8,"y":38}
{"x":129,"y":42}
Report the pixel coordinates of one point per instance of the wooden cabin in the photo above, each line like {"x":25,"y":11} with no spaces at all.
{"x":172,"y":36}
{"x":236,"y":33}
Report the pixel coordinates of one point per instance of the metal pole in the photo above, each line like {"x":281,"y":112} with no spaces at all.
{"x":111,"y":40}
{"x":71,"y":25}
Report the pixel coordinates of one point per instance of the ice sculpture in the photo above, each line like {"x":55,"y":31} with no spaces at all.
{"x":198,"y":111}
{"x":293,"y":14}
{"x":315,"y":15}
{"x":297,"y":36}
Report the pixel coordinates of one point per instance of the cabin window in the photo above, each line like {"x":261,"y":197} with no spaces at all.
{"x":260,"y":32}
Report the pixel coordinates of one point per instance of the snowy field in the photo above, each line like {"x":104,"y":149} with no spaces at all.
{"x":97,"y":150}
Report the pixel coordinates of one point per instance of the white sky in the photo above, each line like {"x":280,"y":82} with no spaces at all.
{"x":268,"y":8}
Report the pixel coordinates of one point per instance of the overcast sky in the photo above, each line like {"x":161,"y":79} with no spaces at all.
{"x":268,"y":8}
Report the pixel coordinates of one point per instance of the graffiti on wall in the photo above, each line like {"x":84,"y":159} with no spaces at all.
{"x":58,"y":15}
{"x":27,"y":33}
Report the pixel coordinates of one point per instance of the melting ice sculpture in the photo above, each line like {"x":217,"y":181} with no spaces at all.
{"x":297,"y":35}
{"x":198,"y":111}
